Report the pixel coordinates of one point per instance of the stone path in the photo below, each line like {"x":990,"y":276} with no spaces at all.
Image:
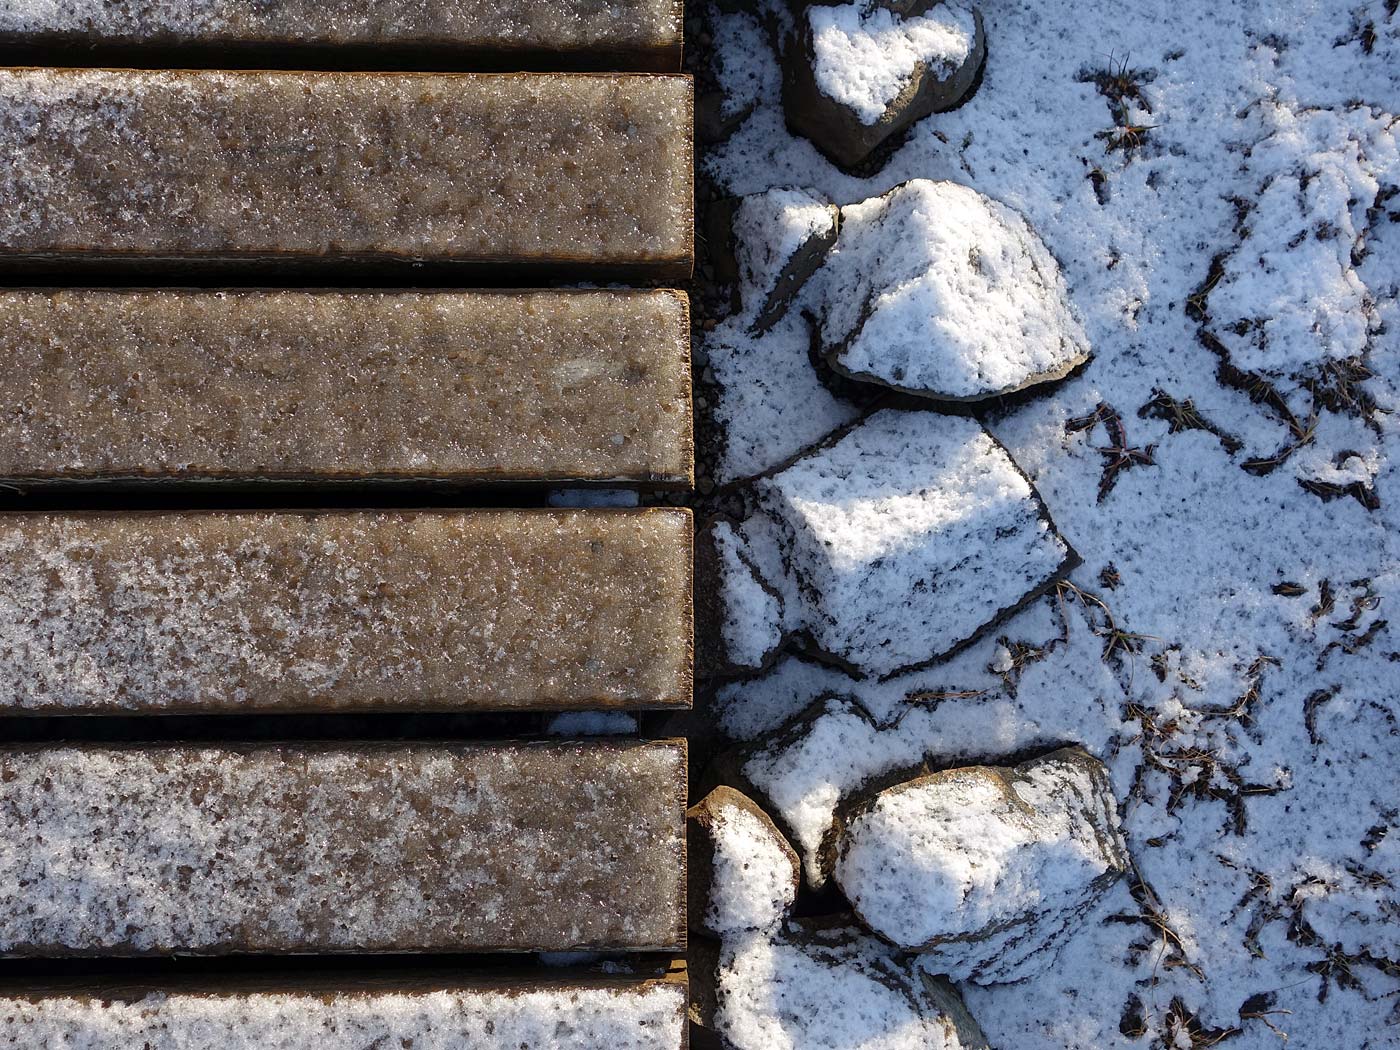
{"x":294,"y":356}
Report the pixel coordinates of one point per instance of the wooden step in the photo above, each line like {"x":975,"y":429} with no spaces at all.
{"x":341,"y":848}
{"x":346,"y":172}
{"x":325,"y":386}
{"x":621,"y":34}
{"x":559,"y":1011}
{"x":344,"y":611}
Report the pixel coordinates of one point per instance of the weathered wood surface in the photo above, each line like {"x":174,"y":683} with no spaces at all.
{"x":214,"y":612}
{"x":342,"y":848}
{"x":425,"y":1011}
{"x":324,"y":386}
{"x":632,"y":34}
{"x":504,"y":173}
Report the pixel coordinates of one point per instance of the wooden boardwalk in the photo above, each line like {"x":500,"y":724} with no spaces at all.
{"x":301,"y":323}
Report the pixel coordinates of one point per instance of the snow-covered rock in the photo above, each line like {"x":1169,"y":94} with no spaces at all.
{"x":770,"y":403}
{"x":815,"y":988}
{"x":984,"y":868}
{"x":856,"y":74}
{"x":750,"y":612}
{"x":938,"y":290}
{"x":781,"y":237}
{"x":906,"y":537}
{"x":743,"y":874}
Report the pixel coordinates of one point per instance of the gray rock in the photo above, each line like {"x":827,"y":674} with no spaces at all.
{"x":847,"y":122}
{"x":937,"y":290}
{"x":904,"y":538}
{"x":984,"y":869}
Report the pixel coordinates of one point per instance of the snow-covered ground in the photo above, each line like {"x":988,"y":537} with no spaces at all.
{"x":1220,"y":184}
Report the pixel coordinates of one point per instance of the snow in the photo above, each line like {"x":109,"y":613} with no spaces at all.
{"x":984,"y":868}
{"x":937,"y":289}
{"x":770,"y":229}
{"x":908,"y":536}
{"x":753,"y":873}
{"x":1225,"y":647}
{"x":771,"y":405}
{"x":828,"y":990}
{"x":753,"y":612}
{"x":852,"y":732}
{"x":865,"y":54}
{"x":599,"y":1018}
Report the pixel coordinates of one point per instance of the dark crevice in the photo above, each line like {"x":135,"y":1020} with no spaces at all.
{"x":329,"y":972}
{"x":185,"y":495}
{"x":272,"y":727}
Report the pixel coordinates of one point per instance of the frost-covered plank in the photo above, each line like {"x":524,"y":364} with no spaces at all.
{"x":340,"y":848}
{"x":634,"y":34}
{"x":293,"y":170}
{"x":464,"y":386}
{"x":344,"y":611}
{"x":447,"y":1013}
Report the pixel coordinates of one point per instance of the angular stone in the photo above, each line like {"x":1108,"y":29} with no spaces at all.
{"x":344,"y":611}
{"x":743,"y":874}
{"x":343,"y":848}
{"x":461,"y":386}
{"x":985,"y":869}
{"x":855,"y":75}
{"x":782,"y":235}
{"x":907,"y":537}
{"x":830,"y":987}
{"x":524,"y":1012}
{"x":937,"y":290}
{"x":634,"y":34}
{"x":516,"y":173}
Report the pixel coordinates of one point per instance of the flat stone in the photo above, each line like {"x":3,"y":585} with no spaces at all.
{"x":345,"y":611}
{"x":137,"y":851}
{"x":635,"y":34}
{"x":553,"y":1012}
{"x":460,"y":386}
{"x":292,"y":171}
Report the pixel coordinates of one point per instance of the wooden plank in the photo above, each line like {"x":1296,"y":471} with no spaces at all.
{"x":630,"y":34}
{"x":344,"y":611}
{"x":434,"y":1012}
{"x":568,"y":1011}
{"x":509,"y":173}
{"x":137,"y":851}
{"x":257,"y":385}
